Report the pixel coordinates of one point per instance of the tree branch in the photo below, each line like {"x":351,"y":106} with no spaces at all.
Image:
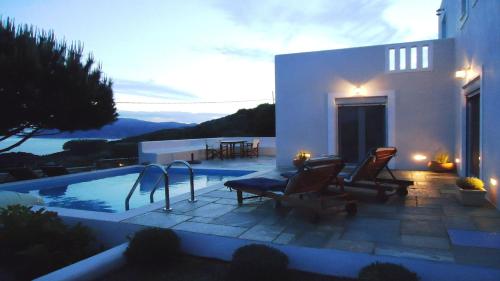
{"x":25,"y":138}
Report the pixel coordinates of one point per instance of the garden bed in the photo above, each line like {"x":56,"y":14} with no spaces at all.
{"x":200,"y":269}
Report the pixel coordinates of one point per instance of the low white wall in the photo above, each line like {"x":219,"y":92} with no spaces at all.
{"x":164,"y":152}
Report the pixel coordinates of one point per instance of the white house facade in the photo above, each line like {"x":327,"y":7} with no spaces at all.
{"x":422,"y":97}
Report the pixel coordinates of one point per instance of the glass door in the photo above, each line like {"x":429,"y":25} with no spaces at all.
{"x":360,"y":128}
{"x":473,"y":135}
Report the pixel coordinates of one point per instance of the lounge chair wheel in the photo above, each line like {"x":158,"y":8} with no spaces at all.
{"x":402,"y":192}
{"x":351,"y":208}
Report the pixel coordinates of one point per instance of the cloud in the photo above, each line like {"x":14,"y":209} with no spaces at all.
{"x":150,"y":89}
{"x":248,"y":53}
{"x":170,"y":116}
{"x":359,"y":21}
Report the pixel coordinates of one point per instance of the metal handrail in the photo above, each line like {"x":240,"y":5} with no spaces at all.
{"x":141,"y":175}
{"x":191,"y":176}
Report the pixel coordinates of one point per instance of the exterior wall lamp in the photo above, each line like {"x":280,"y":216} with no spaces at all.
{"x":358,"y":90}
{"x":462,"y":73}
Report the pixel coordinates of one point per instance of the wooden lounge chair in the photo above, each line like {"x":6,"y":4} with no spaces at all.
{"x":211,"y":152}
{"x":366,"y":175}
{"x":252,"y":149}
{"x":52,"y":171}
{"x":307,"y":188}
{"x":22,"y":173}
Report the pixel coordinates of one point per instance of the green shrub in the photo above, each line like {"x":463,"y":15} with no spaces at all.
{"x":470,"y":183}
{"x":124,"y":150}
{"x":153,"y":246}
{"x":258,"y":262}
{"x":442,"y":158}
{"x":85,"y":146}
{"x":386,"y":272}
{"x":34,"y":243}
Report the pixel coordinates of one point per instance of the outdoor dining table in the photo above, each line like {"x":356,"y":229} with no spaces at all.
{"x":229,"y":147}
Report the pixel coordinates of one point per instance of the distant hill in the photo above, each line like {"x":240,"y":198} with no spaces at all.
{"x":259,"y":121}
{"x":122,"y":128}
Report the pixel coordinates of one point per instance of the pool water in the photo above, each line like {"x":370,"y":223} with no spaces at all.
{"x":108,"y":194}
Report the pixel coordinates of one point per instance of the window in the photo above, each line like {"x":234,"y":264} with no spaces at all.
{"x":413,"y":58}
{"x":425,"y":56}
{"x":402,"y":58}
{"x":408,"y":58}
{"x":392,"y":59}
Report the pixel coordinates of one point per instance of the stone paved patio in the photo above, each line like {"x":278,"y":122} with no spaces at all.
{"x":416,"y":226}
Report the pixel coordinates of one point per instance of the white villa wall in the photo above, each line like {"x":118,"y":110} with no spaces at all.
{"x":423,"y":109}
{"x":164,"y":152}
{"x":477,"y":46}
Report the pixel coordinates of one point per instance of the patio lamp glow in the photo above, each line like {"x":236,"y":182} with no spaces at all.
{"x":358,"y":90}
{"x":462,"y":73}
{"x":419,"y":157}
{"x":493,"y":182}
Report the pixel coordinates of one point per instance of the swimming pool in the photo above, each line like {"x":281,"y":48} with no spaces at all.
{"x":107,"y":194}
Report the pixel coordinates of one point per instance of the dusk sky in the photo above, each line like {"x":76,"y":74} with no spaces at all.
{"x":184,"y":54}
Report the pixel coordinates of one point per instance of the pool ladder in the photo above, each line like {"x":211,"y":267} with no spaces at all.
{"x":164,"y":175}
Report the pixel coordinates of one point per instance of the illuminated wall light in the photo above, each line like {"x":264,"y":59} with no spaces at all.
{"x":461,"y":74}
{"x":419,"y":157}
{"x":493,"y":182}
{"x":358,"y":90}
{"x":457,"y":160}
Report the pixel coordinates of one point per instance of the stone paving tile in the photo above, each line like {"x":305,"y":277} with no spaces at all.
{"x":284,"y":238}
{"x":422,"y":211}
{"x":245,"y":209}
{"x":412,"y":252}
{"x":352,"y":246}
{"x":211,"y":210}
{"x":202,"y":219}
{"x":477,"y":256}
{"x":425,"y":241}
{"x":221,"y":194}
{"x":317,"y":238}
{"x":260,"y":232}
{"x":238,"y":219}
{"x":372,"y":229}
{"x":485,"y":211}
{"x":156,"y":219}
{"x":207,"y":228}
{"x":423,"y":228}
{"x":436,"y":202}
{"x":487,"y":224}
{"x":206,"y":199}
{"x":227,"y":201}
{"x":186,"y":206}
{"x":455,"y":222}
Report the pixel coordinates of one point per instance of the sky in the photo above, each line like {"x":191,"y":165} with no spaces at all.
{"x":196,"y":60}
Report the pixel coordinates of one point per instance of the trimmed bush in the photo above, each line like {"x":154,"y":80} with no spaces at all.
{"x":124,"y":149}
{"x":153,"y":246}
{"x":34,"y":243}
{"x":386,"y":272}
{"x":85,"y":146}
{"x":470,"y":183}
{"x":258,"y":262}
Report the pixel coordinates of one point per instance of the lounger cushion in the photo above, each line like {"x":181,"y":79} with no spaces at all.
{"x":262,"y":184}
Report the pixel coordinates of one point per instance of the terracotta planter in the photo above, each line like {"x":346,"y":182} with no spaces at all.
{"x":298,"y":163}
{"x":441,"y":167}
{"x":471,"y":197}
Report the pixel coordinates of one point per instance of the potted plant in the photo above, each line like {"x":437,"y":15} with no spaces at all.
{"x":441,"y":163}
{"x":471,"y":191}
{"x":300,"y":158}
